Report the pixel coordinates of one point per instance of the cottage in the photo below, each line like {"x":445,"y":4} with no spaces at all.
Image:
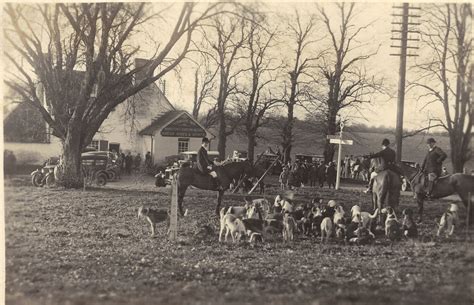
{"x":147,"y":122}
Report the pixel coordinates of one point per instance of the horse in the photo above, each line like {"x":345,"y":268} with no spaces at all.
{"x":386,"y":188}
{"x":461,"y":184}
{"x":187,"y":176}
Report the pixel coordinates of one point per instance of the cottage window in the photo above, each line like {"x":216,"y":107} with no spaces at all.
{"x":183,"y":145}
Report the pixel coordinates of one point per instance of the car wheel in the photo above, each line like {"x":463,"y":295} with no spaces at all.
{"x":101,"y":179}
{"x":111,"y":175}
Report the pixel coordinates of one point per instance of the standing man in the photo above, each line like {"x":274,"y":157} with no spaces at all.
{"x":331,"y":173}
{"x":128,"y":163}
{"x":205,"y":165}
{"x":433,"y":164}
{"x":148,"y":160}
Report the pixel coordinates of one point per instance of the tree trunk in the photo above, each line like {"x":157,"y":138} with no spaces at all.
{"x":329,"y":149}
{"x":457,"y":158}
{"x":221,"y":135}
{"x":70,"y":174}
{"x":251,"y":146}
{"x":288,"y":134}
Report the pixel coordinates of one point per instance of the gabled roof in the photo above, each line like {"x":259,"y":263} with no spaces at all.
{"x":164,"y":120}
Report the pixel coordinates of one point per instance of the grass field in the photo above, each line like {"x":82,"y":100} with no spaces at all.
{"x":76,"y":247}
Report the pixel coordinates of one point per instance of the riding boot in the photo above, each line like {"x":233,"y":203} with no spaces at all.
{"x":430,"y":190}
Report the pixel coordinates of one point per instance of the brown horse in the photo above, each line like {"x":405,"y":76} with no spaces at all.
{"x":187,"y":176}
{"x":386,"y":189}
{"x":461,"y":184}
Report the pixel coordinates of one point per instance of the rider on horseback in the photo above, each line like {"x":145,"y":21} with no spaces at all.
{"x":432,"y":164}
{"x":388,"y":157}
{"x":205,"y":165}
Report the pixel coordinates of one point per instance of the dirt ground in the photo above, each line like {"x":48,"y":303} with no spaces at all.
{"x":76,"y":247}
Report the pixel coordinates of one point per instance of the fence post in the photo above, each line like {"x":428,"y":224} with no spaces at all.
{"x":173,"y":231}
{"x":468,"y":214}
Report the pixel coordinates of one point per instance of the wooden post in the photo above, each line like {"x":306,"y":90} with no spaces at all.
{"x":263,"y":176}
{"x":468,"y":214}
{"x":173,"y":230}
{"x":338,"y":140}
{"x":339,"y":153}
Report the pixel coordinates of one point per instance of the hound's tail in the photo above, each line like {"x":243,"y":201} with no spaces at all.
{"x":375,"y":214}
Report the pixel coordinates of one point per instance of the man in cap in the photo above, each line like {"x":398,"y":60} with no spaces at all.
{"x":205,"y":165}
{"x":388,"y":157}
{"x":433,"y":164}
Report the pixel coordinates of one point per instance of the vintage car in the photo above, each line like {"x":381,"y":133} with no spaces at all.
{"x":112,"y":169}
{"x":185,"y":157}
{"x":266,"y":159}
{"x":309,"y":158}
{"x":98,"y":167}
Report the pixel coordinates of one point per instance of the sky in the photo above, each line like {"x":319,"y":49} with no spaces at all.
{"x":382,"y":110}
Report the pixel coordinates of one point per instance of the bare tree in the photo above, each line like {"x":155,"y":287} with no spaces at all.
{"x":446,"y":74}
{"x":204,"y":84}
{"x":95,"y":40}
{"x":226,"y":37}
{"x":258,"y":100}
{"x":300,"y":33}
{"x":348,"y":83}
{"x":210,"y":118}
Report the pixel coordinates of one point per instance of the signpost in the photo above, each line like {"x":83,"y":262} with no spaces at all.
{"x":340,"y":141}
{"x":173,"y":230}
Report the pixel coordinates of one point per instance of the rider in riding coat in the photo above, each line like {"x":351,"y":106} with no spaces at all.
{"x":433,"y":163}
{"x":388,"y":157}
{"x":205,"y":165}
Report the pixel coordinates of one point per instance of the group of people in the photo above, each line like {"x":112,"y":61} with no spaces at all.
{"x":128,"y":162}
{"x":432,"y":165}
{"x":304,"y":173}
{"x":299,"y":173}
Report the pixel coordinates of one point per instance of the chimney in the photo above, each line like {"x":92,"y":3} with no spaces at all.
{"x":142,"y":74}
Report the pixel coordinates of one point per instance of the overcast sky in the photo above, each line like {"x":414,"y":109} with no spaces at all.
{"x":382,"y":111}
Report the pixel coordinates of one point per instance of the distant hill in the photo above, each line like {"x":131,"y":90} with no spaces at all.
{"x":311,"y":142}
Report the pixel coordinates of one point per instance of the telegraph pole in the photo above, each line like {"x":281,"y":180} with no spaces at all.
{"x":406,"y":26}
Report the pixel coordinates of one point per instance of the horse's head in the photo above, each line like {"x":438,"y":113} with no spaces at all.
{"x":409,"y":172}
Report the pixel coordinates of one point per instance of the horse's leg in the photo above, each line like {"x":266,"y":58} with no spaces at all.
{"x":219,"y":201}
{"x":181,"y":192}
{"x":465,"y":200}
{"x":419,"y":201}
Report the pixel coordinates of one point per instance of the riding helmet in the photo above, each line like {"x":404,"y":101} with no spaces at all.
{"x":385,"y":142}
{"x":430,"y":140}
{"x":205,"y":140}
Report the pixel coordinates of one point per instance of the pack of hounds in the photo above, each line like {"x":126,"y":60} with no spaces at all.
{"x":257,"y":218}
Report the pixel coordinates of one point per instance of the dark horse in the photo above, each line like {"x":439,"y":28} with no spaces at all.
{"x":461,"y":184}
{"x":190,"y":176}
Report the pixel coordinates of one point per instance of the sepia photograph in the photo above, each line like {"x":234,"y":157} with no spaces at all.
{"x":241,"y":152}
